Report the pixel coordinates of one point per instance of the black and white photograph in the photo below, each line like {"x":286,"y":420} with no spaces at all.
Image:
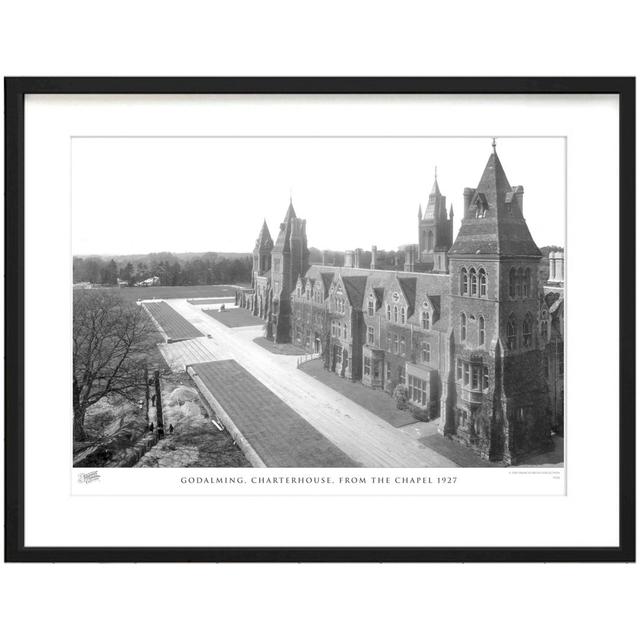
{"x":313,"y":317}
{"x":318,"y":302}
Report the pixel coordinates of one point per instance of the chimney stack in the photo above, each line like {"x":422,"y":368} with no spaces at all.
{"x":560,"y":266}
{"x":357,"y":258}
{"x":552,"y":266}
{"x":409,"y":258}
{"x":374,"y":252}
{"x":348,"y":258}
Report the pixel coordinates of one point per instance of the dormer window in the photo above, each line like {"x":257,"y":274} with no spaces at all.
{"x":403,"y":315}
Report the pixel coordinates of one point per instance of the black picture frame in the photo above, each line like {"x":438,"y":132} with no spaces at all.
{"x":15,"y":91}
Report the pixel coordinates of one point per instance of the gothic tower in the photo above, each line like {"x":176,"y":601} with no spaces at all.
{"x":435,"y":230}
{"x":496,"y":399}
{"x":262,"y":252}
{"x":289,"y":259}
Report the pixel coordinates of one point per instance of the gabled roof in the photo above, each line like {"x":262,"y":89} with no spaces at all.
{"x":408,"y":286}
{"x":354,"y":287}
{"x":380,"y":281}
{"x":327,"y":279}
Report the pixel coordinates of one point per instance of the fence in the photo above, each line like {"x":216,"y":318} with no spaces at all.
{"x":306,"y":357}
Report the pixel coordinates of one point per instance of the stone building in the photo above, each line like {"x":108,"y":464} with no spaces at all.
{"x":468,"y":331}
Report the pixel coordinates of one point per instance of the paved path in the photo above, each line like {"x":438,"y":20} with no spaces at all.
{"x":361,"y":435}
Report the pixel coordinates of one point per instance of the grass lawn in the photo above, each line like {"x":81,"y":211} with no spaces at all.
{"x":235,"y":317}
{"x":457,"y":452}
{"x":378,"y":402}
{"x":285,"y":349}
{"x":279,"y":435}
{"x":195,"y":291}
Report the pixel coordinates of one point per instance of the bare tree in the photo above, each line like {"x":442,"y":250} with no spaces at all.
{"x":109,"y":346}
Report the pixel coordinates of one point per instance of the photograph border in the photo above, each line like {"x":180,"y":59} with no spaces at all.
{"x":15,"y":91}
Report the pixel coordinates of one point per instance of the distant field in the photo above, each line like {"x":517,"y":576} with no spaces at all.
{"x":203,"y":301}
{"x":196,"y":291}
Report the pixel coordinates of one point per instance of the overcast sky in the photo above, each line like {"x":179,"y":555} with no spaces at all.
{"x":140,"y":195}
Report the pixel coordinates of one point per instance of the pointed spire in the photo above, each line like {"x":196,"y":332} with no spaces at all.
{"x":492,"y":218}
{"x":451,"y":212}
{"x":493,"y":144}
{"x":291,"y":213}
{"x":264,"y":238}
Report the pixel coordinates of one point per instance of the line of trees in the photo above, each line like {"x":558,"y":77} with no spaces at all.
{"x":210,"y":268}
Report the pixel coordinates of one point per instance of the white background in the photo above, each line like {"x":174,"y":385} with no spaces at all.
{"x":449,"y":601}
{"x":586,"y":516}
{"x":353,"y":192}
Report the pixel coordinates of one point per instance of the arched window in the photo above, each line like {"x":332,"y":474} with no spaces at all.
{"x":463,"y":326}
{"x":344,"y":330}
{"x":403,"y":315}
{"x":430,"y":240}
{"x":512,"y":283}
{"x":526,"y":283}
{"x":370,"y":335}
{"x":527,"y":331}
{"x":519,"y":279}
{"x":388,"y":312}
{"x":544,"y":328}
{"x":481,"y":330}
{"x":426,"y":320}
{"x":370,"y":307}
{"x":402,"y":346}
{"x":511,"y":333}
{"x":482,"y":274}
{"x":426,"y":352}
{"x":474,"y":282}
{"x":395,"y":314}
{"x":464,"y":282}
{"x":485,"y":378}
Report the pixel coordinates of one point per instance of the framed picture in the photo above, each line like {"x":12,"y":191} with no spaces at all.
{"x":320,"y":319}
